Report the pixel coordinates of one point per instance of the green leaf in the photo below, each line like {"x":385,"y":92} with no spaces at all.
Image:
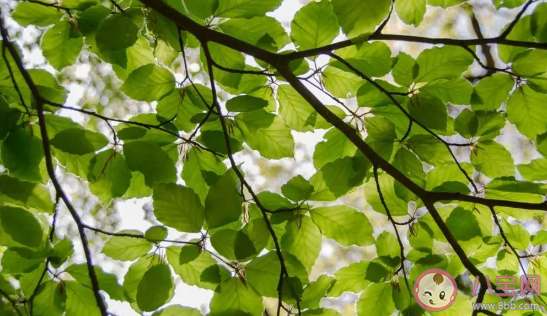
{"x":156,"y":233}
{"x":27,"y":13}
{"x":437,"y":176}
{"x":314,"y":25}
{"x":463,"y":224}
{"x":455,"y":91}
{"x":79,"y":141}
{"x":196,"y":267}
{"x":151,"y":161}
{"x":127,"y":248}
{"x":201,"y":170}
{"x":526,"y":109}
{"x":357,"y":276}
{"x":445,"y":3}
{"x":359,"y":19}
{"x":410,"y":165}
{"x":20,"y":260}
{"x":466,"y":123}
{"x":266,"y":133}
{"x":273,"y":201}
{"x":508,"y":3}
{"x":232,"y":297}
{"x":90,"y":19}
{"x":396,"y":206}
{"x":388,"y":249}
{"x":201,"y":8}
{"x":340,"y":83}
{"x":381,"y":135}
{"x":50,"y":299}
{"x":245,"y":103}
{"x":302,"y":238}
{"x":245,"y":8}
{"x":8,"y":118}
{"x":493,"y":160}
{"x":517,"y":235}
{"x":297,"y":189}
{"x":108,"y":282}
{"x":535,"y":170}
{"x":540,"y":238}
{"x":445,"y":62}
{"x":316,"y":290}
{"x":22,"y":226}
{"x":490,"y":123}
{"x":134,"y":276}
{"x":59,"y":47}
{"x":223,"y":204}
{"x":372,"y":59}
{"x":295,"y":110}
{"x":321,"y":123}
{"x":530,"y":63}
{"x":177,"y":310}
{"x":522,"y":32}
{"x":343,"y":224}
{"x":491,"y":91}
{"x":27,"y":194}
{"x":336,"y":145}
{"x":411,"y":11}
{"x":430,"y":150}
{"x":138,"y":55}
{"x":178,"y":207}
{"x":429,"y":111}
{"x":80,"y":300}
{"x":538,"y":18}
{"x":229,"y":58}
{"x":21,"y":155}
{"x":233,"y":244}
{"x":376,"y":300}
{"x":109,"y":176}
{"x":155,"y":288}
{"x":263,"y":272}
{"x":254,"y":31}
{"x":149,"y":83}
{"x":405,"y":69}
{"x":124,"y":37}
{"x":336,"y":178}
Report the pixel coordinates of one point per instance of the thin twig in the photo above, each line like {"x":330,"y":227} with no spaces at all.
{"x":51,"y":5}
{"x":507,"y":242}
{"x":516,"y":20}
{"x":390,"y":218}
{"x":147,"y":126}
{"x":50,"y":237}
{"x":51,"y":169}
{"x":11,"y":301}
{"x":284,"y":271}
{"x":407,"y":114}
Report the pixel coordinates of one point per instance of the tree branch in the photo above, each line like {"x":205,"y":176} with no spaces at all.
{"x":51,"y":169}
{"x":264,"y":211}
{"x":51,"y":235}
{"x":412,"y":39}
{"x":388,"y":213}
{"x":516,"y":20}
{"x":502,"y":234}
{"x":407,"y":114}
{"x":11,"y":301}
{"x":147,"y":126}
{"x":104,"y":232}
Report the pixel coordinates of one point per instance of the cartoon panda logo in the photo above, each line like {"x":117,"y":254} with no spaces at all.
{"x":435,"y":290}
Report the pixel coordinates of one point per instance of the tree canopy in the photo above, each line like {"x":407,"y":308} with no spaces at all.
{"x":446,"y":145}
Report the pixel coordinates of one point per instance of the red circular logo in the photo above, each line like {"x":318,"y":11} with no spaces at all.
{"x":435,"y":290}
